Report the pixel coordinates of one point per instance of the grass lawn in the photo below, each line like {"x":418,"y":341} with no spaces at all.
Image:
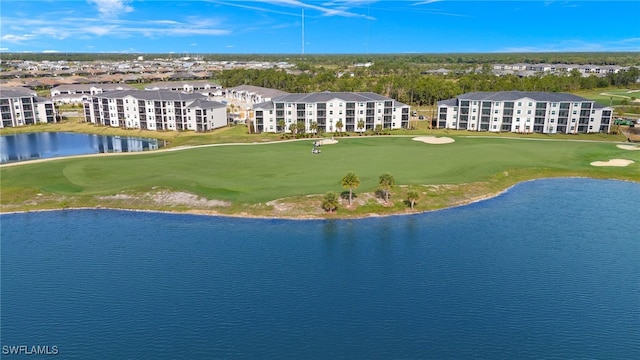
{"x":246,"y":175}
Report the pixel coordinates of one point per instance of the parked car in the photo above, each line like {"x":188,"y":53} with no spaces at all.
{"x":421,"y":117}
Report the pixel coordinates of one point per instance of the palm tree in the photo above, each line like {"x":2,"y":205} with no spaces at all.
{"x":301,"y":127}
{"x":386,"y":182}
{"x":360,"y":124}
{"x":350,"y":181}
{"x":378,"y":129}
{"x":281,"y":125}
{"x":313,"y":127}
{"x":413,"y":196}
{"x":293,"y":127}
{"x":339,"y":126}
{"x":330,"y":201}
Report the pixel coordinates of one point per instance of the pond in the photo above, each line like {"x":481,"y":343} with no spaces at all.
{"x":31,"y":146}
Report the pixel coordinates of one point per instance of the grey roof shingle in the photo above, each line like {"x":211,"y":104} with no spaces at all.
{"x":206,"y":104}
{"x":162,"y":95}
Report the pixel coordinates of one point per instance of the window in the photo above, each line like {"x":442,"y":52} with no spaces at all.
{"x":497,"y":103}
{"x":517,"y":119}
{"x":519,"y":103}
{"x":573,"y":120}
{"x":475,"y":103}
{"x":474,"y":110}
{"x":554,"y":104}
{"x":553,"y":112}
{"x":530,"y":104}
{"x":495,"y":111}
{"x":529,"y":112}
{"x":518,"y":112}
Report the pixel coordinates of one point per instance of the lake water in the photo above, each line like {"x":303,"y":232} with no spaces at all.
{"x":550,"y":269}
{"x":20,"y":147}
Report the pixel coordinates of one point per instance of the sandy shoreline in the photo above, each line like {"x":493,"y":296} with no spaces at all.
{"x":243,"y":215}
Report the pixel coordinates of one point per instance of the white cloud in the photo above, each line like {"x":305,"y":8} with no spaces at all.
{"x":112,"y":8}
{"x":17,"y":38}
{"x":50,"y":51}
{"x":4,"y":49}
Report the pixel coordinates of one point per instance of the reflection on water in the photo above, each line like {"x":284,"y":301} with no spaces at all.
{"x":21,"y":147}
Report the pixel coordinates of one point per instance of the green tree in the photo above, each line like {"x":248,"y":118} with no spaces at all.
{"x":386,"y":182}
{"x":350,"y":181}
{"x":413,"y":196}
{"x":330,"y":201}
{"x":339,"y":126}
{"x":293,"y":127}
{"x":301,"y":127}
{"x":360,"y":124}
{"x":378,"y":129}
{"x":313,"y":127}
{"x":281,"y":125}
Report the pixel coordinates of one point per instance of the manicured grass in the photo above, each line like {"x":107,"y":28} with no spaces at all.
{"x":252,"y":174}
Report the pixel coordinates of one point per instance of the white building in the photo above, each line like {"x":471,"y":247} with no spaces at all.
{"x":19,"y":107}
{"x":250,"y":94}
{"x":200,"y":87}
{"x":155,"y":110}
{"x":524,"y":112}
{"x":357,"y":112}
{"x":77,"y":93}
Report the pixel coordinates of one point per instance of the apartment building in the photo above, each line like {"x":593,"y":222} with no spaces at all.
{"x":155,"y":110}
{"x":250,"y":94}
{"x":524,"y":112}
{"x":77,"y":93}
{"x":357,"y":111}
{"x":20,"y":106}
{"x":201,"y":87}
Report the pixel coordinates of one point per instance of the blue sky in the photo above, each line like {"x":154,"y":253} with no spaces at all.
{"x":330,"y":27}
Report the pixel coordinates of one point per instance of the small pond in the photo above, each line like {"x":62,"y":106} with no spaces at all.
{"x":30,"y":146}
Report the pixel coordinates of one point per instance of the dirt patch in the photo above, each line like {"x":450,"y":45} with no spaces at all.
{"x":434,"y":140}
{"x":165,"y":198}
{"x":613,"y":162}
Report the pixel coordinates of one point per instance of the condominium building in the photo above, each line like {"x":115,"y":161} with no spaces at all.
{"x":77,"y":93}
{"x":200,"y":87}
{"x":19,"y":106}
{"x":524,"y":112}
{"x":155,"y":110}
{"x":250,"y":94}
{"x":357,"y":111}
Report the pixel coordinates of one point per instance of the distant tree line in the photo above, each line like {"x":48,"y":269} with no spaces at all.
{"x":595,"y":58}
{"x":412,"y":87}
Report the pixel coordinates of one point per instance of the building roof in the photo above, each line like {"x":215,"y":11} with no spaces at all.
{"x":516,"y":95}
{"x":87,"y":87}
{"x":328,"y":96}
{"x":12,"y":92}
{"x":265,"y":92}
{"x":173,"y":84}
{"x":163,"y":95}
{"x":206,"y":104}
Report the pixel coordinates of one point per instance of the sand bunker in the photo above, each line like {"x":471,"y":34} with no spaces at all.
{"x":613,"y":162}
{"x":327,"y":141}
{"x":629,"y":147}
{"x":434,"y":140}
